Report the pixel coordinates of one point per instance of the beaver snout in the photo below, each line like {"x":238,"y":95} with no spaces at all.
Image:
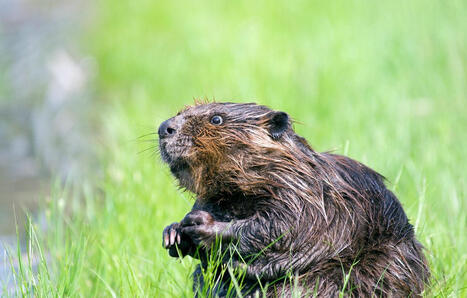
{"x":167,"y":129}
{"x":173,"y":144}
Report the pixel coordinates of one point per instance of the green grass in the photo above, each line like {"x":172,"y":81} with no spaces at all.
{"x":383,"y":82}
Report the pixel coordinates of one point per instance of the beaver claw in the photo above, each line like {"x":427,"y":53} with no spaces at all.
{"x":171,"y":235}
{"x":178,"y":244}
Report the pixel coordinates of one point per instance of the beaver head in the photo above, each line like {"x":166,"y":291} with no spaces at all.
{"x":224,"y":148}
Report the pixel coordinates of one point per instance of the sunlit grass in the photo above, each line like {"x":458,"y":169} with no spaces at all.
{"x":384,"y":82}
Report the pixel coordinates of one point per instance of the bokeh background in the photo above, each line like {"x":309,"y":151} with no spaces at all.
{"x":83,"y":85}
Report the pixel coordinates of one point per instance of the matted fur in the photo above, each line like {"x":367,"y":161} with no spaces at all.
{"x":317,"y":216}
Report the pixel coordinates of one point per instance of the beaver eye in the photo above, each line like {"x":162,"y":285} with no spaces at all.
{"x":216,"y":120}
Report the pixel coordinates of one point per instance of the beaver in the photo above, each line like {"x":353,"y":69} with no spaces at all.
{"x":322,"y":219}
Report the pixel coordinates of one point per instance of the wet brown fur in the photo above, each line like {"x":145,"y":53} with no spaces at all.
{"x":326,"y":215}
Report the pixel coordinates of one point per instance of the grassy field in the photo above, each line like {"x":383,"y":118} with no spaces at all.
{"x":382,"y":82}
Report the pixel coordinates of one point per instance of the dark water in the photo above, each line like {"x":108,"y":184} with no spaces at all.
{"x":46,"y":101}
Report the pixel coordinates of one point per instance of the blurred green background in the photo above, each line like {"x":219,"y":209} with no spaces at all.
{"x":383,"y":82}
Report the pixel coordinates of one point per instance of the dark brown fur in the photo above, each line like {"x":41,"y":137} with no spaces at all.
{"x":317,"y":216}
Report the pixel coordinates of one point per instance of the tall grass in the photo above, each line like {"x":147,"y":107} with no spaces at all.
{"x":383,"y":82}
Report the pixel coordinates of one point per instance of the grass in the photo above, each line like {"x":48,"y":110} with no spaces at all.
{"x":383,"y":82}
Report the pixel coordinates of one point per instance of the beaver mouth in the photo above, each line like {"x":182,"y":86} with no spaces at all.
{"x":173,"y":156}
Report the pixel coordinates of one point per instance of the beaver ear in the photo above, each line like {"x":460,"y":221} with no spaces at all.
{"x":278,"y":124}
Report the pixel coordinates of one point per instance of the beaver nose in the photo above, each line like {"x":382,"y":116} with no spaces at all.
{"x":166,"y":130}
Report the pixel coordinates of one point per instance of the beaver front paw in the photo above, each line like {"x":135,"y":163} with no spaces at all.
{"x":178,"y":244}
{"x":201,"y":227}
